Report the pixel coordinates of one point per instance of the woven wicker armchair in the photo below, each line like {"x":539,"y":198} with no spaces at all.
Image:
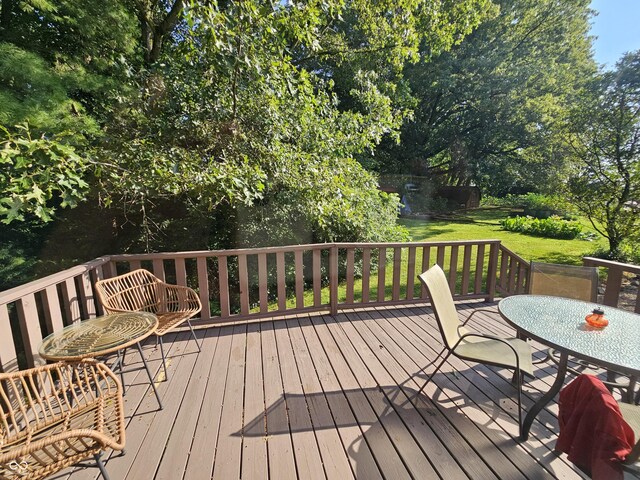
{"x":140,"y":290}
{"x":57,"y":415}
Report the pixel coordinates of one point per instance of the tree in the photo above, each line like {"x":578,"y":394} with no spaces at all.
{"x":604,"y":136}
{"x":488,"y":111}
{"x":241,"y":117}
{"x":211,"y":116}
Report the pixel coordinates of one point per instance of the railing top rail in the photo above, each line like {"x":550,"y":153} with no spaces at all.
{"x":18,"y":292}
{"x":599,"y":262}
{"x":290,"y":248}
{"x":416,"y":244}
{"x":513,"y":254}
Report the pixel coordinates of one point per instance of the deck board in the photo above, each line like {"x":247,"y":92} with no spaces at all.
{"x":316,"y":397}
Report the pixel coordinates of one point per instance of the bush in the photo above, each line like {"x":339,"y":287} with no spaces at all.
{"x":629,"y":253}
{"x":534,"y":205}
{"x":552,"y":227}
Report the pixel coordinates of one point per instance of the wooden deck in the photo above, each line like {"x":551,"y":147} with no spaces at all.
{"x":313,"y":397}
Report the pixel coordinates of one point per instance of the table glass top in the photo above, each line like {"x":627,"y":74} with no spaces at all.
{"x":98,"y":335}
{"x":559,"y":322}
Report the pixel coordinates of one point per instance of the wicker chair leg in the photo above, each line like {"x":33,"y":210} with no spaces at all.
{"x":121,"y":369}
{"x":103,"y":471}
{"x":146,"y":367}
{"x":193,"y":334}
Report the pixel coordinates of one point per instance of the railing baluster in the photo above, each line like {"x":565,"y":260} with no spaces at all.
{"x":333,"y":280}
{"x":350,"y":275}
{"x":612,"y":290}
{"x":492,"y":268}
{"x":317,"y":278}
{"x":203,"y":287}
{"x":477,"y":286}
{"x":223,"y":281}
{"x":52,"y":312}
{"x":382,"y":266}
{"x":440,"y":255}
{"x":8,"y":355}
{"x":30,"y":329}
{"x":397,"y":261}
{"x":366,"y":274}
{"x":299,"y":269}
{"x":158,"y":269}
{"x":263,"y":283}
{"x":88,"y":300}
{"x":244,"y":284}
{"x":512,"y":274}
{"x":522,"y":278}
{"x":181,"y":271}
{"x":503,"y":270}
{"x":466,"y":270}
{"x":426,"y":252}
{"x":71,"y":300}
{"x":453,"y":268}
{"x":411,"y":272}
{"x":280,"y":275}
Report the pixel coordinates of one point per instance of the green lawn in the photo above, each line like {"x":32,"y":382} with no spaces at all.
{"x":484,"y":223}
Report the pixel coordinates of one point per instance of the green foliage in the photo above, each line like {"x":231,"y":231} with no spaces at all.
{"x":552,"y":227}
{"x":37,"y":175}
{"x":534,"y":204}
{"x":488,"y":111}
{"x":603,"y":135}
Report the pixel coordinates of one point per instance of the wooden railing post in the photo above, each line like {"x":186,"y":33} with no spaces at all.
{"x":333,"y":279}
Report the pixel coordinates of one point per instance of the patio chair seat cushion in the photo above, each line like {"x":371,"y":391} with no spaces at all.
{"x":496,"y":353}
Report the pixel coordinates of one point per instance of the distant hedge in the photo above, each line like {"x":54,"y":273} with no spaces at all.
{"x":552,"y":227}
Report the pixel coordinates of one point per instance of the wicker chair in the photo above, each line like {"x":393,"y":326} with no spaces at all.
{"x":140,"y":290}
{"x":57,"y":415}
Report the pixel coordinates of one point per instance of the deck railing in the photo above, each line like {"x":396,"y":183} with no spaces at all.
{"x":251,"y":284}
{"x":615,"y":273}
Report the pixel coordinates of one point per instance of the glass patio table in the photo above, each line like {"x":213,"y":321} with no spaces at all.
{"x":101,"y":336}
{"x":559,"y":323}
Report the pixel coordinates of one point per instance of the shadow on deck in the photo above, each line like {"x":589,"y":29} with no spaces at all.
{"x":331,"y":397}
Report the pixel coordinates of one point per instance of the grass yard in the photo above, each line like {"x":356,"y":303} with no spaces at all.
{"x":484,"y":223}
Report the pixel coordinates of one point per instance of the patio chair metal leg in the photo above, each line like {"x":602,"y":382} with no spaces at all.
{"x":519,"y":387}
{"x":146,"y":367}
{"x":164,"y":362}
{"x":435,"y":371}
{"x":193,"y":334}
{"x":431,"y":362}
{"x":98,"y":458}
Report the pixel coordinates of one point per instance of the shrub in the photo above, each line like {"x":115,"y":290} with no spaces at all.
{"x":552,"y":227}
{"x":534,"y":205}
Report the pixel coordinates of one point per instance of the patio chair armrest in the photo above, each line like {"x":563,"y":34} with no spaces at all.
{"x":476,"y":311}
{"x":180,"y":298}
{"x":491,"y":337}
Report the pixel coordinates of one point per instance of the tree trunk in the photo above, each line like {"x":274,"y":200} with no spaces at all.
{"x":154,"y":32}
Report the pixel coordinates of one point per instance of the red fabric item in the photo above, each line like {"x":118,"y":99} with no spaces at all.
{"x":592,"y":430}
